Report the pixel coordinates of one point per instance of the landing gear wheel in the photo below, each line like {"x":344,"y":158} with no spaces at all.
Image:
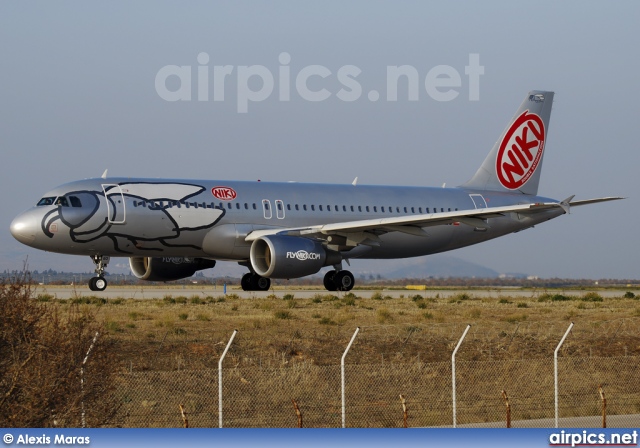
{"x":97,"y":284}
{"x":245,"y":283}
{"x":329,"y":285}
{"x":344,"y":281}
{"x":261,"y":283}
{"x":253,"y":282}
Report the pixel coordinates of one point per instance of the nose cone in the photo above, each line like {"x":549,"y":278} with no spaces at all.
{"x":24,"y":228}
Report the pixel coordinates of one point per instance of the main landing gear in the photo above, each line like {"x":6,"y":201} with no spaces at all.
{"x":338,"y":281}
{"x":99,"y":283}
{"x":253,"y":282}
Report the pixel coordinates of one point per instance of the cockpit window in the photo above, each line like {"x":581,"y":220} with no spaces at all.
{"x":62,"y":201}
{"x":75,"y":202}
{"x":46,"y":201}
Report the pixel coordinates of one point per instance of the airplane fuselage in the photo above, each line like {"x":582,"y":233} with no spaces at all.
{"x":188,"y":218}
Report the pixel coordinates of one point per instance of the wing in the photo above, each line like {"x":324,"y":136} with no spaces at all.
{"x":367,"y":231}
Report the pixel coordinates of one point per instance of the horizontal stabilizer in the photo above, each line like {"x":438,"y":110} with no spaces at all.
{"x":594,"y":201}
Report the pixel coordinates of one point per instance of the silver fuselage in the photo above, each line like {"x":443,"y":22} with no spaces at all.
{"x":126,"y":217}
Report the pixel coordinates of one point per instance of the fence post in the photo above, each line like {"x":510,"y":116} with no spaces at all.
{"x":220,"y":378}
{"x":342,"y":374}
{"x":84,"y":361}
{"x":506,"y":402}
{"x":604,"y":406}
{"x":453,"y":373}
{"x":555,"y":368}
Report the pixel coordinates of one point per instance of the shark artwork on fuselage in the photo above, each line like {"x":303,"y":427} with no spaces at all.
{"x":170,"y":229}
{"x":91,"y":215}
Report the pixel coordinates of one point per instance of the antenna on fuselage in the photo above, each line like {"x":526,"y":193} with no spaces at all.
{"x":104,"y":175}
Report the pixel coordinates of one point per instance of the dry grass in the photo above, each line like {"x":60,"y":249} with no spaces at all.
{"x":152,"y":334}
{"x":289,"y":347}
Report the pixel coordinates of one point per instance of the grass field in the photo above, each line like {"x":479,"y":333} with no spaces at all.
{"x":190,"y":331}
{"x":290,"y":347}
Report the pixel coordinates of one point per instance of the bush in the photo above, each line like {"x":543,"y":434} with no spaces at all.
{"x":592,"y":297}
{"x":281,"y":314}
{"x":41,"y":356}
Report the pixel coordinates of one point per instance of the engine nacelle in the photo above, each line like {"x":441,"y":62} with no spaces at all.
{"x":278,"y":256}
{"x":165,"y":269}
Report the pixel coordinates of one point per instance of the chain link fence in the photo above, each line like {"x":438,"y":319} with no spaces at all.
{"x":267,"y":397}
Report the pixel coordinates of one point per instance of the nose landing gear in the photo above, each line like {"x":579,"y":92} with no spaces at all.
{"x":99,"y":283}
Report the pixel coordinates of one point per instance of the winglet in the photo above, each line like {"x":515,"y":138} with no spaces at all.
{"x":355,"y":181}
{"x":104,"y":175}
{"x":566,"y":204}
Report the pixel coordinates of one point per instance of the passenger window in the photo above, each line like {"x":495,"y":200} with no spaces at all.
{"x":320,"y":207}
{"x":413,"y":210}
{"x":375,"y":209}
{"x":289,"y":207}
{"x":359,"y":208}
{"x":405,"y":210}
{"x":304,"y":207}
{"x":313,"y":208}
{"x":246,"y":206}
{"x":367,"y":208}
{"x":297,"y":208}
{"x":344,"y":208}
{"x":254,"y":206}
{"x":352,"y":208}
{"x":420,"y":209}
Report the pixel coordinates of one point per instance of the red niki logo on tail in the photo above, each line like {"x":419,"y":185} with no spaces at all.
{"x":520,"y":150}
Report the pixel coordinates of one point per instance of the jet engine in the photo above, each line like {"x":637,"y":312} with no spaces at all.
{"x":279,"y":256}
{"x":165,"y":269}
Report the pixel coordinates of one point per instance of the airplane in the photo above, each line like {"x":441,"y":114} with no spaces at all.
{"x":170,"y":229}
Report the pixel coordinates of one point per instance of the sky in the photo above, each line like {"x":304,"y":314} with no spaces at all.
{"x":86,"y":87}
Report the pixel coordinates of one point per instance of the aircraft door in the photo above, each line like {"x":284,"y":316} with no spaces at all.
{"x":478,"y":200}
{"x":115,"y":203}
{"x":266,"y":208}
{"x":279,"y":209}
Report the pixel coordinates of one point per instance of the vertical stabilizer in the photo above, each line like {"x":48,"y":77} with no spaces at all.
{"x":515,"y":162}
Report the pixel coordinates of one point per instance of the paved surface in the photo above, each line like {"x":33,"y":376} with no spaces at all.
{"x":158,"y":292}
{"x":613,"y":421}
